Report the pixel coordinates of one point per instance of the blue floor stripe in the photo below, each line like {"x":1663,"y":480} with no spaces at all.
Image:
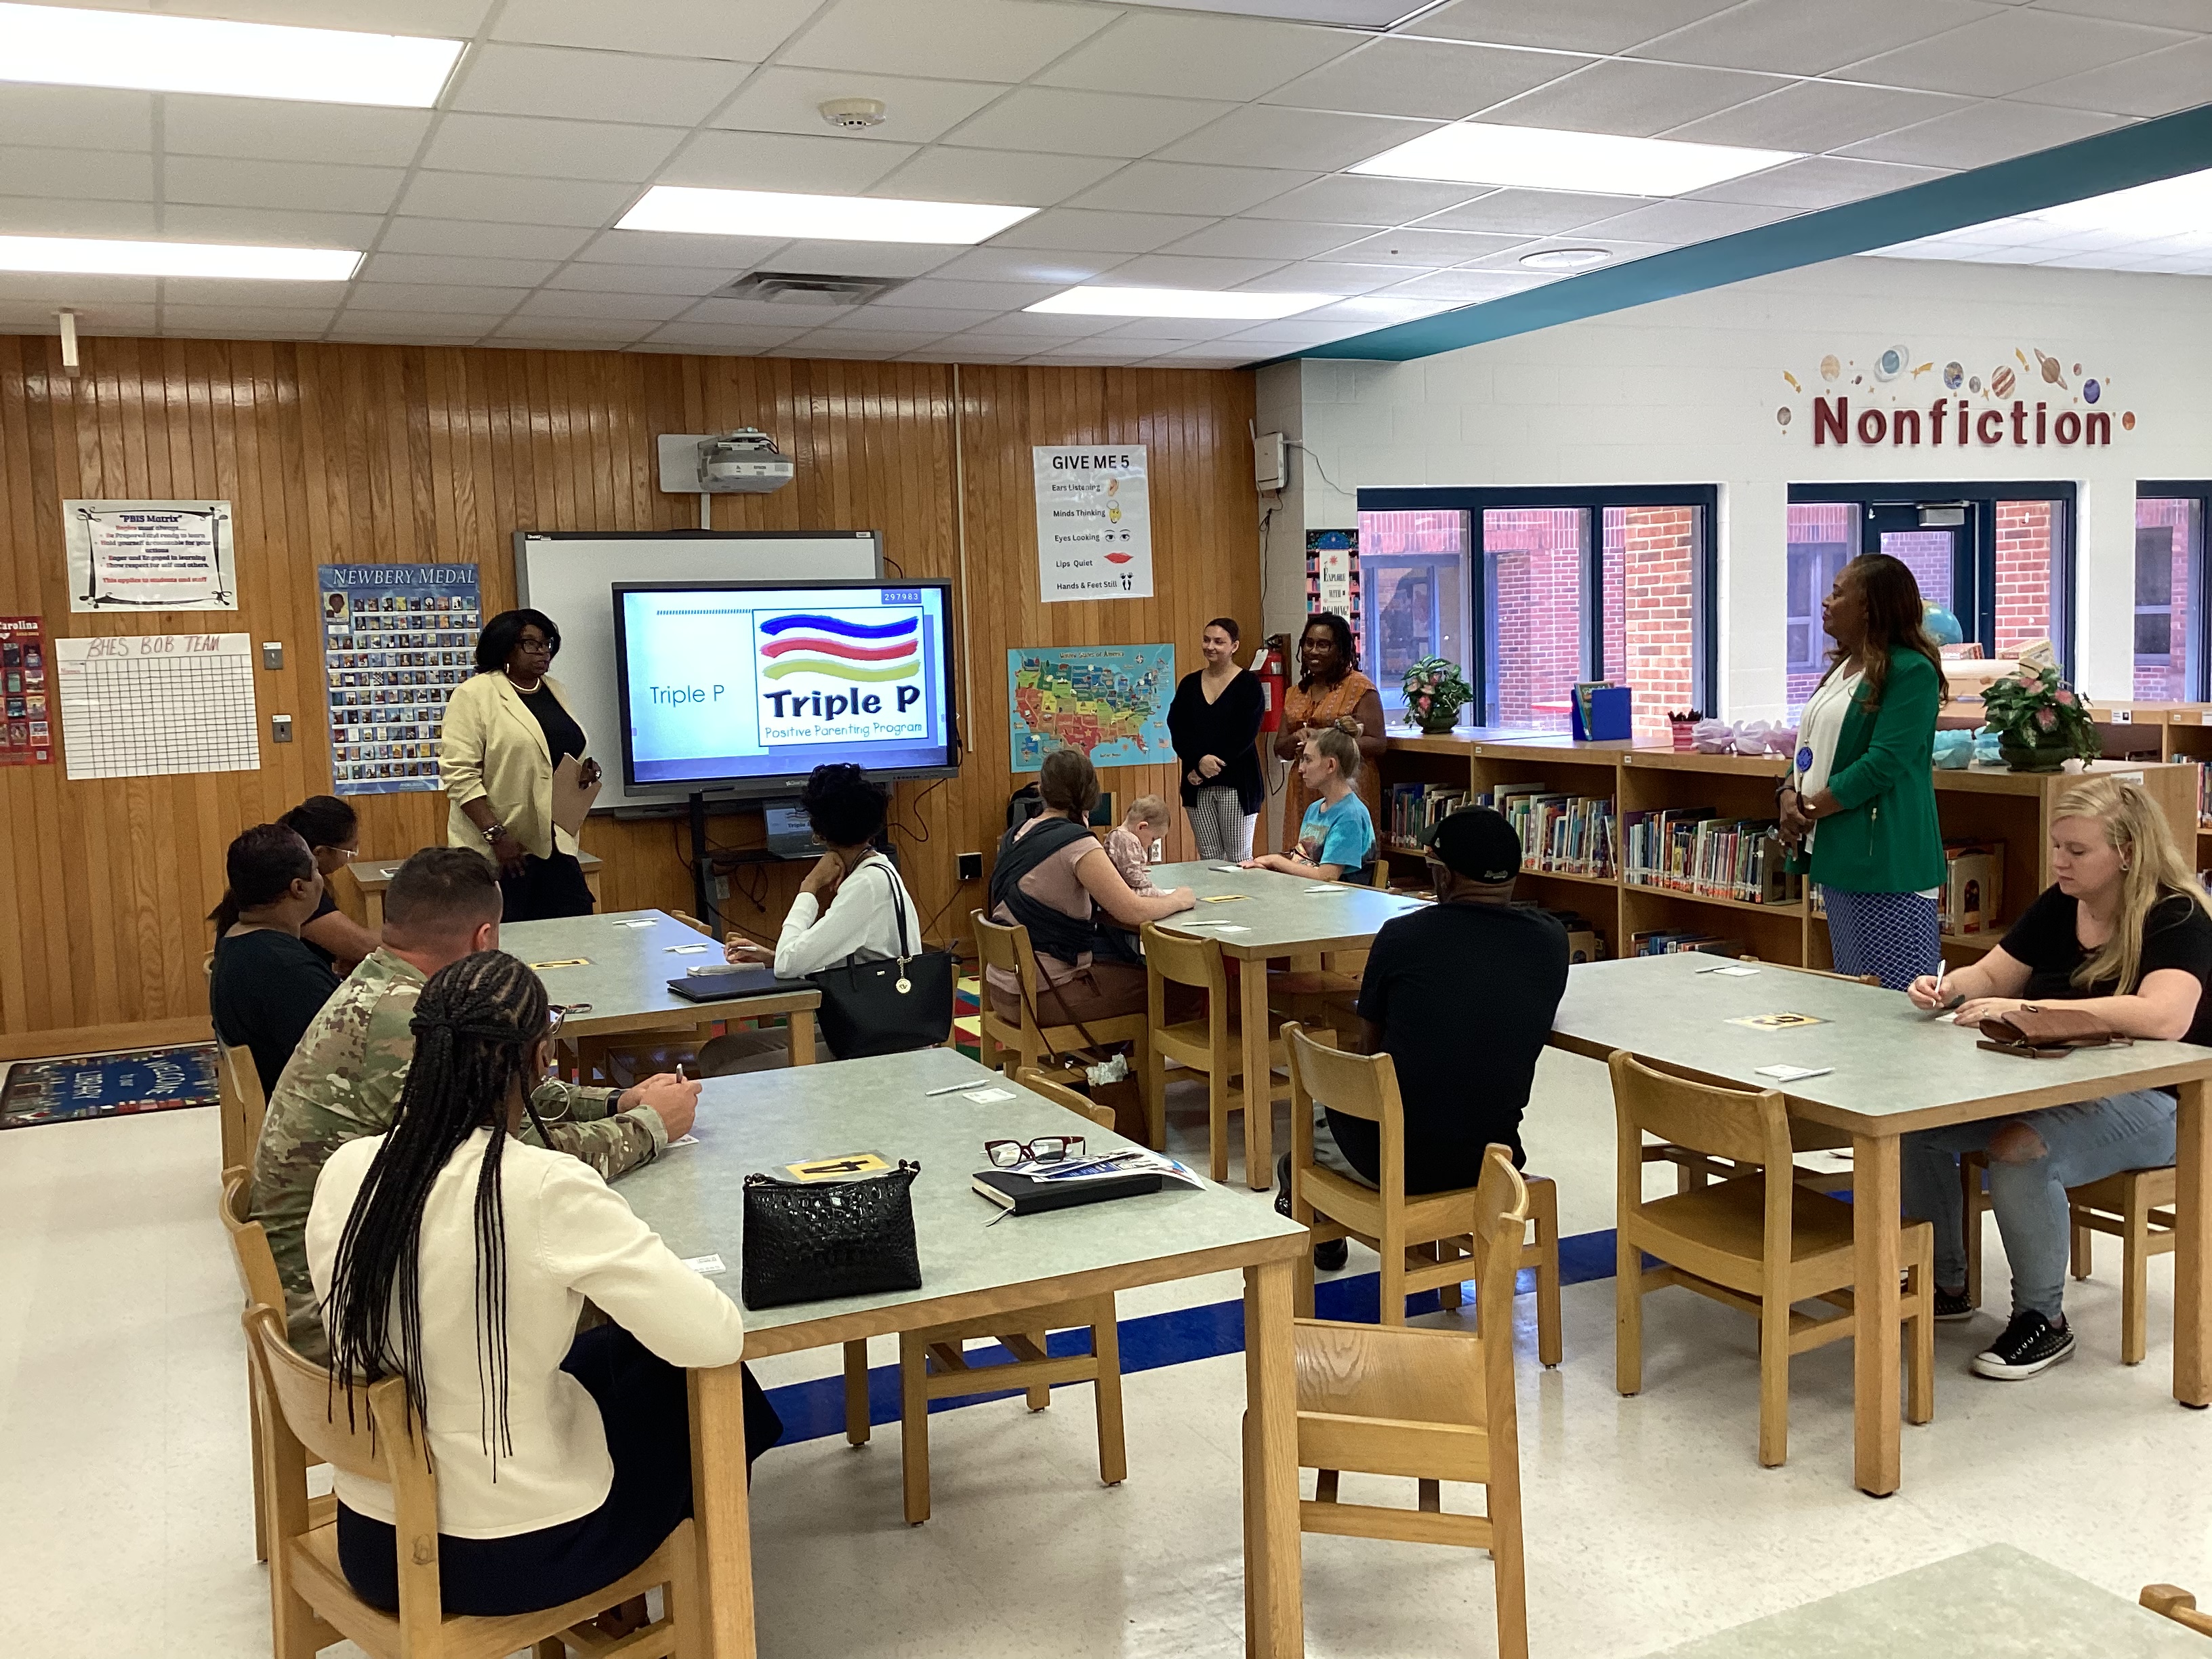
{"x":813,"y":1410}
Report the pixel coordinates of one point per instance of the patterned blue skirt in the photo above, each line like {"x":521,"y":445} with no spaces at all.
{"x":1896,"y":936}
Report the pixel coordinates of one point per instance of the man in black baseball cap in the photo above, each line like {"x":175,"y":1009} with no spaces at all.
{"x":1460,"y":994}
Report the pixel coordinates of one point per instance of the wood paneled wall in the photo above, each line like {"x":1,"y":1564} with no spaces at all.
{"x":359,"y":454}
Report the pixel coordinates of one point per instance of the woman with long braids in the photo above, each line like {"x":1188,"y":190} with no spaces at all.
{"x":452,"y":1253}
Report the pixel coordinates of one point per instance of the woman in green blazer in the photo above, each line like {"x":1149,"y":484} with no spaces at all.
{"x":1861,"y":796}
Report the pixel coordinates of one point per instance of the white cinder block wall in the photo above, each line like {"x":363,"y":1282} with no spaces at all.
{"x":1686,"y":391}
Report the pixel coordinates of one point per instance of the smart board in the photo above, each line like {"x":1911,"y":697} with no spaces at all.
{"x":571,"y":577}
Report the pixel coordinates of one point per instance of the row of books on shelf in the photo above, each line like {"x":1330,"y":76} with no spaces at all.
{"x":1672,"y":941}
{"x":1693,"y":850}
{"x":1569,"y":835}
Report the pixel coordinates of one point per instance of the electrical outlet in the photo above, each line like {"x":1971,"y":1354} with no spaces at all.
{"x":272,"y":654}
{"x":718,"y":889}
{"x":280,"y":728}
{"x":1159,"y":852}
{"x":971,"y":867}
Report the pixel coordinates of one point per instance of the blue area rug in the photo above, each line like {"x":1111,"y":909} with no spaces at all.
{"x":107,"y":1085}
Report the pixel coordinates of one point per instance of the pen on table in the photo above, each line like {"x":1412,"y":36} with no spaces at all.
{"x":951,"y":1089}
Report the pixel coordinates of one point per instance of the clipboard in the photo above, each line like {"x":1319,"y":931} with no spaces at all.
{"x":572,"y":796}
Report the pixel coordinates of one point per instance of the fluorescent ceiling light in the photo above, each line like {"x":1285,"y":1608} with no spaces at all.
{"x":2155,"y":225}
{"x":827,"y":218}
{"x":57,"y":45}
{"x":1539,"y":158}
{"x":1093,"y":300}
{"x":87,"y":256}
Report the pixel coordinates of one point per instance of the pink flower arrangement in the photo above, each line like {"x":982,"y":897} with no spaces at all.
{"x":2035,"y":711}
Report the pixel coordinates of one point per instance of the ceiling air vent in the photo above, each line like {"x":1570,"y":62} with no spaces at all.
{"x":800,"y":288}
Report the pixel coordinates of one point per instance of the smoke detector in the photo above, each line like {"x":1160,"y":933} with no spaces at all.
{"x":853,"y":114}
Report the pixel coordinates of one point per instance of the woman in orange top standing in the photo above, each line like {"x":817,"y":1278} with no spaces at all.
{"x":1330,"y":691}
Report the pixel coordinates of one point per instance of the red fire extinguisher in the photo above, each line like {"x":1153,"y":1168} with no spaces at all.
{"x":1270,"y":670}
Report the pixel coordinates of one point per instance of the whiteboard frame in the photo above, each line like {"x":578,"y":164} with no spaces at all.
{"x":595,"y":692}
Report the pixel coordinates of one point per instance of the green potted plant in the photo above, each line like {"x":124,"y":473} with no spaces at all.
{"x":1435,"y":693}
{"x":2040,"y":720}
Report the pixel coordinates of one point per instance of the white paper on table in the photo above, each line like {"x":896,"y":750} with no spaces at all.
{"x":1793,"y":1073}
{"x":638,"y":921}
{"x":687,"y":950}
{"x":1226,"y":869}
{"x":1734,"y":970}
{"x":985,"y":1097}
{"x":1327,"y":887}
{"x":709,"y":1265}
{"x":684,"y":1140}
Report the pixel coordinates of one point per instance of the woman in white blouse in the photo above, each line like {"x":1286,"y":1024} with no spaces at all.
{"x":848,"y":910}
{"x":450,"y":1253}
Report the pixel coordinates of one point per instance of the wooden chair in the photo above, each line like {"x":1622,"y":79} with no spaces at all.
{"x":258,"y":1277}
{"x":2135,"y":1207}
{"x":240,"y":1102}
{"x":2178,"y":1605}
{"x":1061,"y":1095}
{"x":1425,"y":1242}
{"x":637,"y":1054}
{"x":1759,"y":1242}
{"x":312,"y":1606}
{"x":1437,"y":1405}
{"x":1213,"y":1045}
{"x":1007,"y":949}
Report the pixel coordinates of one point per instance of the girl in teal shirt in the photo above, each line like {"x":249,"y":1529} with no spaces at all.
{"x":1336,"y":835}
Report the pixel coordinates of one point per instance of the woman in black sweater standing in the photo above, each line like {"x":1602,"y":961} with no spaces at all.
{"x":1214,"y":723}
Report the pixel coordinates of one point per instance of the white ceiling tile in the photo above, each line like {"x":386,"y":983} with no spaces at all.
{"x":233,"y":330}
{"x":568,"y":330}
{"x":944,"y":173}
{"x":1622,"y":249}
{"x":297,"y":226}
{"x":1197,"y":56}
{"x":1381,"y":310}
{"x":1531,"y":212}
{"x":416,"y":297}
{"x":1683,"y":221}
{"x":1188,"y":270}
{"x":441,"y":268}
{"x":781,"y":161}
{"x":340,"y":333}
{"x":1810,"y":37}
{"x":78,"y":117}
{"x":693,"y":280}
{"x":1078,"y":230}
{"x":2158,"y":84}
{"x":301,"y":321}
{"x":1349,"y":201}
{"x":1035,"y":326}
{"x":936,"y":292}
{"x":74,"y":216}
{"x":1019,"y":264}
{"x":916,"y":112}
{"x":355,"y":319}
{"x":457,"y":20}
{"x":514,"y":200}
{"x":2021,"y":46}
{"x":1266,"y":239}
{"x":668,"y":247}
{"x":745,"y":30}
{"x":1564,"y":25}
{"x":954,"y":350}
{"x":1171,"y":329}
{"x":1069,"y":122}
{"x":863,"y":343}
{"x":1263,"y":136}
{"x":1818,"y":181}
{"x":550,"y":149}
{"x":1470,"y":286}
{"x":37,"y":317}
{"x":114,"y":175}
{"x":1446,"y":80}
{"x":226,"y":182}
{"x":268,"y":129}
{"x":1422,"y":247}
{"x":863,"y":258}
{"x":1320,"y":277}
{"x":1818,"y":115}
{"x":1179,"y":188}
{"x":592,"y":86}
{"x":607,"y":307}
{"x":795,"y":316}
{"x":956,"y":39}
{"x":49,"y":289}
{"x":485,"y":239}
{"x":244,"y":294}
{"x":1633,"y":99}
{"x":932,"y":320}
{"x":2164,"y":14}
{"x":1289,"y":333}
{"x":709,"y":337}
{"x":1983,"y":133}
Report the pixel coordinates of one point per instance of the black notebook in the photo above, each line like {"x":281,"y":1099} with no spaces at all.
{"x":758,"y":982}
{"x":1026,"y":1195}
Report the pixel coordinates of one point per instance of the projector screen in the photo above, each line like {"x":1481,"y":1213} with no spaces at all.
{"x":754,"y":684}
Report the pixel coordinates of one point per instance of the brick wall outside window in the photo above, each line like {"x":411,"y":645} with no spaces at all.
{"x":2023,"y":589}
{"x":2165,"y":676}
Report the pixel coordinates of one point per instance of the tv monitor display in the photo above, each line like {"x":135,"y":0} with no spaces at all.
{"x":754,"y":684}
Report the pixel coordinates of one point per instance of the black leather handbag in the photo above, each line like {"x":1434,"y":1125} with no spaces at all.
{"x":814,"y":1242}
{"x":888,"y":1007}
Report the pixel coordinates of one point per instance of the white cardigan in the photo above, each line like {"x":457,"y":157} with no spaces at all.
{"x":862,"y":921}
{"x":569,"y":1235}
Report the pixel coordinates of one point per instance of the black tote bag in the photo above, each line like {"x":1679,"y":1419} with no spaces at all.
{"x":889,"y":1008}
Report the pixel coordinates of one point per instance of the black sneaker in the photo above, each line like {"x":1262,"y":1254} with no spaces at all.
{"x":2029,"y":1344}
{"x":1331,"y":1257}
{"x":1951,"y":1306}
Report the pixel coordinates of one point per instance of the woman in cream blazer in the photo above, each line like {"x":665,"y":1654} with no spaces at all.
{"x":507,"y":727}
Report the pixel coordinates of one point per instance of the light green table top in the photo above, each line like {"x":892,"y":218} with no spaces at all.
{"x":627,"y":971}
{"x":1893,"y":1068}
{"x":1280,"y":914}
{"x":692,"y":1196}
{"x":1996,"y":1603}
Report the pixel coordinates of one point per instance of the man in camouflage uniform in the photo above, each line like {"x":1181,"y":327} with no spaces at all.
{"x":344,"y":1080}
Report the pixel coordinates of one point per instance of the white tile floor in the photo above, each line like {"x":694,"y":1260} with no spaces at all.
{"x":123,"y":1462}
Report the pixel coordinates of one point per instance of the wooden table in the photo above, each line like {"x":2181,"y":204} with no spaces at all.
{"x":629,"y":956}
{"x":1895,"y":1070}
{"x":691,"y":1197}
{"x":372,"y":876}
{"x":1281,"y":916}
{"x":1996,"y":1603}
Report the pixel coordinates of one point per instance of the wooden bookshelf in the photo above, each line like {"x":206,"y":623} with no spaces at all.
{"x":1979,"y":803}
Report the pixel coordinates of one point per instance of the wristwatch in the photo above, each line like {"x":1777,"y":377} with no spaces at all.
{"x":494,"y":831}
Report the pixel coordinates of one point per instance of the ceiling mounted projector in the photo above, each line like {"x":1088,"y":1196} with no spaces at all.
{"x":746,"y":462}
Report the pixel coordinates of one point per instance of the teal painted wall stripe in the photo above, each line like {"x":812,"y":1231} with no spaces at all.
{"x":2138,"y":155}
